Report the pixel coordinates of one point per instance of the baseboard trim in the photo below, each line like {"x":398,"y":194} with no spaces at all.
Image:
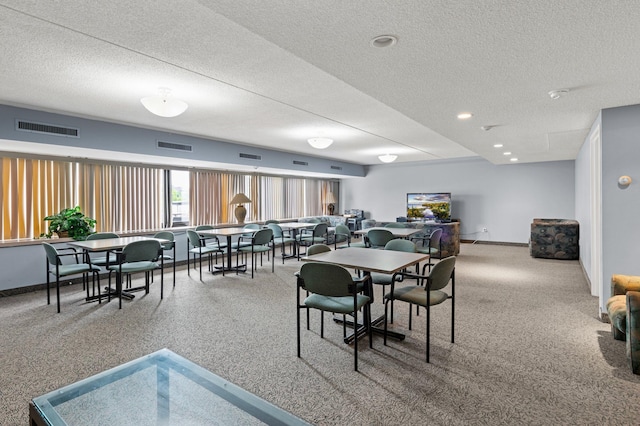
{"x":496,"y":243}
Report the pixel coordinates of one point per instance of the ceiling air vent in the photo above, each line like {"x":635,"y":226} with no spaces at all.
{"x":175,"y":146}
{"x":251,"y":156}
{"x":300,"y":163}
{"x":47,"y":129}
{"x":336,"y":168}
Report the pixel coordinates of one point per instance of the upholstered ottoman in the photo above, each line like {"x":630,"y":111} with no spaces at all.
{"x":555,"y":239}
{"x":623,"y":308}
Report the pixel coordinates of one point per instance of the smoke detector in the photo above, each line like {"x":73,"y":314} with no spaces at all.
{"x":557,"y":94}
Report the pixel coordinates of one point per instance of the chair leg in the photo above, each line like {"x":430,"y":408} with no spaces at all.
{"x":428,"y":331}
{"x":355,"y":340}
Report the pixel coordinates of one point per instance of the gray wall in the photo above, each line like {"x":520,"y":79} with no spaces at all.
{"x":620,"y":207}
{"x":504,"y":198}
{"x":128,"y":139}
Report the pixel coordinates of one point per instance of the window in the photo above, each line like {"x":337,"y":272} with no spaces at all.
{"x":179,"y":197}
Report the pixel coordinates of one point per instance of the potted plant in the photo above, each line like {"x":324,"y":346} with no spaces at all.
{"x":70,"y":223}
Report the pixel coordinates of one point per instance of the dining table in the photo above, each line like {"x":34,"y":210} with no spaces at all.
{"x":370,"y":260}
{"x":108,"y":245}
{"x":294,"y":227}
{"x":228,"y":233}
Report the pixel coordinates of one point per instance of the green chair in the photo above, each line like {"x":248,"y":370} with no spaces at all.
{"x":431,"y":245}
{"x":375,"y":238}
{"x":280,"y":238}
{"x":331,"y":289}
{"x":308,"y":237}
{"x":271,"y":221}
{"x":56,"y":267}
{"x":197,"y":246}
{"x":260,"y":242}
{"x":397,"y":244}
{"x":168,"y":247}
{"x":244,"y":238}
{"x":341,"y":235}
{"x":138,"y":256}
{"x":429,"y":295}
{"x":210,"y":240}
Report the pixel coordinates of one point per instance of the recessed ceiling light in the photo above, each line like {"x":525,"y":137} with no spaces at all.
{"x":384,"y":41}
{"x":514,"y":159}
{"x":498,"y":145}
{"x":557,"y":94}
{"x":465,"y":115}
{"x":506,"y":153}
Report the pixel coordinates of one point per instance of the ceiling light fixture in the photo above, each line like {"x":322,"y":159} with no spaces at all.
{"x":387,"y":158}
{"x":384,"y":41}
{"x":498,"y":145}
{"x":506,"y":153}
{"x":514,"y":159}
{"x":557,"y":94}
{"x":464,"y":115}
{"x":163,"y":104}
{"x":320,"y":143}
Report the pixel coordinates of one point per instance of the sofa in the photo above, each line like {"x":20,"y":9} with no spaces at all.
{"x":331,"y":220}
{"x":555,"y":239}
{"x":623,"y":308}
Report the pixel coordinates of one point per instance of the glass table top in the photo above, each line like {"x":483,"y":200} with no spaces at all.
{"x":162,"y":388}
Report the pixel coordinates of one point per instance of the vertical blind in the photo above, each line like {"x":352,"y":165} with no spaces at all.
{"x":125,"y":198}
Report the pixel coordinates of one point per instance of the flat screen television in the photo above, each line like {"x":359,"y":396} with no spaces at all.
{"x":429,"y":206}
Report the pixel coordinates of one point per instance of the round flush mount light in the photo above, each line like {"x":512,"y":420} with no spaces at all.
{"x":384,"y":41}
{"x":464,"y":115}
{"x":514,"y":159}
{"x":557,"y":94}
{"x":506,"y":153}
{"x":163,"y":104}
{"x":498,"y":145}
{"x":387,"y":158}
{"x":320,"y":143}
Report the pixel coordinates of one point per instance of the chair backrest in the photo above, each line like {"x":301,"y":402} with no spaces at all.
{"x":102,"y":236}
{"x":318,"y":248}
{"x":276,"y":229}
{"x":52,"y":253}
{"x":166,"y":235}
{"x":262,"y":237}
{"x":342,"y":232}
{"x":395,"y":225}
{"x":204,"y":227}
{"x":271,"y":221}
{"x":320,"y":229}
{"x":434,"y":239}
{"x":144,"y":250}
{"x":441,"y":273}
{"x":379,"y":237}
{"x":400,"y":244}
{"x":326,"y":279}
{"x":194,"y":238}
{"x":251,"y":228}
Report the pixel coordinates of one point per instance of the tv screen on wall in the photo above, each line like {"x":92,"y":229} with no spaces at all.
{"x":429,"y":206}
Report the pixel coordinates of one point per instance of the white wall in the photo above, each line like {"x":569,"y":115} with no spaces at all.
{"x":620,"y":207}
{"x":504,"y":198}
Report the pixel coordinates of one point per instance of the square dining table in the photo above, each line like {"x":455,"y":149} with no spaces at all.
{"x":110,"y":244}
{"x":370,"y":260}
{"x":228,"y":233}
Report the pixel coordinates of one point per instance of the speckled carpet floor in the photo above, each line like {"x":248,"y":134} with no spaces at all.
{"x":529,"y":348}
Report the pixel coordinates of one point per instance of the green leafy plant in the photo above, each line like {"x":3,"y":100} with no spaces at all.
{"x":70,"y":222}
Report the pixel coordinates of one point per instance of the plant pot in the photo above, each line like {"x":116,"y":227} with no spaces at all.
{"x":62,"y":234}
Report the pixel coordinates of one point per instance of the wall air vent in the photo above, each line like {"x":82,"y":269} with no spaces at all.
{"x":175,"y":146}
{"x":47,"y":129}
{"x":336,"y":168}
{"x":251,"y":156}
{"x":300,"y":163}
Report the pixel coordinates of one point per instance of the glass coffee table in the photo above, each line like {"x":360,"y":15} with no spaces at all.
{"x":162,"y":388}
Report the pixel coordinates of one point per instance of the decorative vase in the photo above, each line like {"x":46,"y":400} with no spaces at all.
{"x":240,"y":213}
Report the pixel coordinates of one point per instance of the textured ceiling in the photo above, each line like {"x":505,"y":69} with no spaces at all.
{"x":273,"y":73}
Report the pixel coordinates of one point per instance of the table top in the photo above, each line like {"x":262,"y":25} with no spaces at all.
{"x":397,"y":232}
{"x":160,"y":388}
{"x":368,"y":259}
{"x":111,"y":243}
{"x":226,"y":231}
{"x":297,"y":225}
